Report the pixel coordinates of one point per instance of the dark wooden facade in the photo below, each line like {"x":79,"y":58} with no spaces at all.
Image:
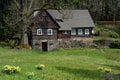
{"x":47,"y":42}
{"x":44,"y":22}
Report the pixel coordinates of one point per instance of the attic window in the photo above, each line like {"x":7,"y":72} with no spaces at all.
{"x":59,"y":20}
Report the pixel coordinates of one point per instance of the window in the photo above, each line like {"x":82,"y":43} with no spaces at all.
{"x":65,"y":32}
{"x":39,"y":31}
{"x":87,"y":32}
{"x":80,"y":31}
{"x":49,"y":31}
{"x":73,"y":32}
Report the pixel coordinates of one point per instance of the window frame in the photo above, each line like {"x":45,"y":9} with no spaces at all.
{"x":87,"y":31}
{"x":39,"y":33}
{"x":80,"y":31}
{"x":51,"y":30}
{"x":73,"y":32}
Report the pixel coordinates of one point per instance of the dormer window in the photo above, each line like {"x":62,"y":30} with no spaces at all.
{"x":59,"y":20}
{"x":39,"y":31}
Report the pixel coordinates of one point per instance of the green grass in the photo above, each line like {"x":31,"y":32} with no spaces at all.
{"x":71,"y":64}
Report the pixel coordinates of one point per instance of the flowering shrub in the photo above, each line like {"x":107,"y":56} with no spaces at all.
{"x":10,"y":69}
{"x":40,"y":66}
{"x":100,"y":68}
{"x":30,"y":75}
{"x":108,"y":70}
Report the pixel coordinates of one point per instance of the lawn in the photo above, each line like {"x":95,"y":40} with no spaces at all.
{"x":70,"y":64}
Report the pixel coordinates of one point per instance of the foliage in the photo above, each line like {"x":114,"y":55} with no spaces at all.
{"x":7,"y":69}
{"x":106,"y":31}
{"x":107,"y":70}
{"x":113,"y":34}
{"x":115,"y":44}
{"x":40,"y":66}
{"x":30,"y":75}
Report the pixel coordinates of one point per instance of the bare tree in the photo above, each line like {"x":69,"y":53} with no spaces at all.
{"x":20,"y":11}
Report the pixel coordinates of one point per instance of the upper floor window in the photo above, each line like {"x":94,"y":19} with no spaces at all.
{"x":49,"y":31}
{"x":39,"y":31}
{"x":80,"y":31}
{"x":73,"y":32}
{"x":87,"y":32}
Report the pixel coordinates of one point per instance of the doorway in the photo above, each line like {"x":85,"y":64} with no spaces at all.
{"x":44,"y":46}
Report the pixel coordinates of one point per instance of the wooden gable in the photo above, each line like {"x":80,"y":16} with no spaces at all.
{"x":44,"y":20}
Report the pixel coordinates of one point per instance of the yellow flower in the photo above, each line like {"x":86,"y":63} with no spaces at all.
{"x":100,"y":68}
{"x":107,"y":70}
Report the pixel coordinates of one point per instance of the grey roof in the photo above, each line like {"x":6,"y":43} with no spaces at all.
{"x":72,"y":18}
{"x":64,"y":26}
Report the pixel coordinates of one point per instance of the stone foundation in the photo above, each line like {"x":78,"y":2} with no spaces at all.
{"x":62,"y":43}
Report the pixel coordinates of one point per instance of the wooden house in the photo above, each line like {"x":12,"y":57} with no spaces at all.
{"x":50,"y":27}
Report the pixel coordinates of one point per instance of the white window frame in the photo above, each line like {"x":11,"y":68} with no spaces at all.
{"x":73,"y":32}
{"x":39,"y":31}
{"x":87,"y":31}
{"x":65,"y":32}
{"x":80,"y":31}
{"x":51,"y":31}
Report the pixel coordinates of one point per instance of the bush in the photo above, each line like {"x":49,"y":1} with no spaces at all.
{"x":113,"y":34}
{"x":7,"y":69}
{"x":115,"y":44}
{"x":97,"y":32}
{"x":30,"y":75}
{"x":40,"y":66}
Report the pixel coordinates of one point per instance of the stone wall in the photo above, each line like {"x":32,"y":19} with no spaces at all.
{"x":51,"y":44}
{"x":64,"y":43}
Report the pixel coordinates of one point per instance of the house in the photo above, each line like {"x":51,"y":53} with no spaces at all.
{"x":53,"y":28}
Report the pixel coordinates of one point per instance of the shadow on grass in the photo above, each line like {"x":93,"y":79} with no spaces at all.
{"x":91,"y":74}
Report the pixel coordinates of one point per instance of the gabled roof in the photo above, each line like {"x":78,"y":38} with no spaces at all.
{"x":72,"y":18}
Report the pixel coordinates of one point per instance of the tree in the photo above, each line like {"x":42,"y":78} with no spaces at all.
{"x":19,"y":14}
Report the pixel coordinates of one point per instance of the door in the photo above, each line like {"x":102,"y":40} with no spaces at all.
{"x":44,"y":46}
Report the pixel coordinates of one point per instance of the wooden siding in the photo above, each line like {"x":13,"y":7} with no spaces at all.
{"x":61,"y":35}
{"x":44,"y":21}
{"x":44,"y":34}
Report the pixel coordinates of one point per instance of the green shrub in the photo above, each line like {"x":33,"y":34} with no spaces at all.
{"x":40,"y":66}
{"x":113,"y":34}
{"x":30,"y":75}
{"x":115,"y":44}
{"x":97,"y":32}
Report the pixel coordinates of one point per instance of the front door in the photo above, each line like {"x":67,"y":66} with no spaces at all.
{"x":44,"y":46}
